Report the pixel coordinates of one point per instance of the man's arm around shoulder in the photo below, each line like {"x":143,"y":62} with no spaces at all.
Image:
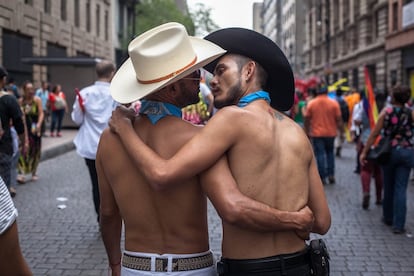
{"x":236,"y":208}
{"x":198,"y":154}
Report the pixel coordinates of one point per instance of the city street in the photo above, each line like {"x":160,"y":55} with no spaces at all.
{"x":59,"y":234}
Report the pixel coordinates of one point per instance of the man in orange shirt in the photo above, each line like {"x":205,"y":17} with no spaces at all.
{"x":323,"y":122}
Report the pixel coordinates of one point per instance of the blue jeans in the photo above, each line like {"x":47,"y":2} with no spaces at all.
{"x":57,"y":117}
{"x":324,"y":153}
{"x":396,"y":176}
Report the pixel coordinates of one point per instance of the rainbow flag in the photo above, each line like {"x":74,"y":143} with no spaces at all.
{"x":370,"y":106}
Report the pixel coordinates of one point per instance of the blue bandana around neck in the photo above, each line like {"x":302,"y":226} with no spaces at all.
{"x":259,"y":95}
{"x":155,"y":111}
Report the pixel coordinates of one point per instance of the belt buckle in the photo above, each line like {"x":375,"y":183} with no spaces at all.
{"x":161,"y":265}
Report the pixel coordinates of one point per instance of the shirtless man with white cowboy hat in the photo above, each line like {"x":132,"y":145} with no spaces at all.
{"x":166,"y":231}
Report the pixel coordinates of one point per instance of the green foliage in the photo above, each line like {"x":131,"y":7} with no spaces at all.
{"x":201,"y":16}
{"x":151,"y":13}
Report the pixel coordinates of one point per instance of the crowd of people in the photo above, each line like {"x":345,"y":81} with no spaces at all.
{"x":33,"y":109}
{"x":326,"y":121}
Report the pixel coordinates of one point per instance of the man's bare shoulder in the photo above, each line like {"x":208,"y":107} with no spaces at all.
{"x":229,"y":116}
{"x":108,"y":139}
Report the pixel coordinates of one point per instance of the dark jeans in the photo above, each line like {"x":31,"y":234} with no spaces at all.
{"x":324,"y":153}
{"x":396,"y":176}
{"x":57,"y":118}
{"x":286,"y":265}
{"x":95,"y":188}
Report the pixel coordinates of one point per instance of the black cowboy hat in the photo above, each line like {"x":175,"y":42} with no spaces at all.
{"x":280,"y":82}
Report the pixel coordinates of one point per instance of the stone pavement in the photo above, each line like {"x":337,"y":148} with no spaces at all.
{"x":66,"y":241}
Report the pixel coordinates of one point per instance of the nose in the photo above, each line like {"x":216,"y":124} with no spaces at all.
{"x":213,"y":81}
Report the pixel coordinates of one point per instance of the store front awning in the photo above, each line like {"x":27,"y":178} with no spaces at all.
{"x":76,"y":61}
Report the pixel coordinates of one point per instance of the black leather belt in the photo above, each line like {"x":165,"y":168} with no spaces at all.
{"x":161,"y":264}
{"x":277,"y":262}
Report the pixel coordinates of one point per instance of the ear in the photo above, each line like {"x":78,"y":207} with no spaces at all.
{"x":249,"y":70}
{"x":174,"y":88}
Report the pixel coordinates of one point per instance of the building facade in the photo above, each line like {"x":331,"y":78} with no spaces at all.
{"x":344,"y":36}
{"x":52,"y":29}
{"x":399,"y":43}
{"x":283,"y":22}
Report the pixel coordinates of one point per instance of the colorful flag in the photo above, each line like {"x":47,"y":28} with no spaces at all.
{"x":370,"y":106}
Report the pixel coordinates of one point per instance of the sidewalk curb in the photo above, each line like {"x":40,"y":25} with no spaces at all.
{"x":57,"y":150}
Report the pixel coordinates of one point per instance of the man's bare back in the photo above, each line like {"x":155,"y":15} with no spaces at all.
{"x":271,"y":167}
{"x":170,"y":221}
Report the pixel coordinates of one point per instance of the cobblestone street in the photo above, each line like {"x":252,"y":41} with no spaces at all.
{"x":61,"y":237}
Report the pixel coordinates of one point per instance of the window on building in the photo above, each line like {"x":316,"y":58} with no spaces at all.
{"x":77,"y":11}
{"x":98,"y":20}
{"x":28,"y":2}
{"x":356,"y":10}
{"x":345,"y":76}
{"x":370,"y":34}
{"x":355,"y":78}
{"x":345,"y":42}
{"x":63,"y":10}
{"x":393,"y":75}
{"x":394,"y":16}
{"x":106,"y":25}
{"x":88,"y":15}
{"x":355,"y":38}
{"x":335,"y":19}
{"x":334,"y":46}
{"x":376,"y":25}
{"x":345,"y":12}
{"x":372,"y":69}
{"x":47,"y":6}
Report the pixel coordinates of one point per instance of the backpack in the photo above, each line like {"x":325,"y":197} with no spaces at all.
{"x":344,"y":109}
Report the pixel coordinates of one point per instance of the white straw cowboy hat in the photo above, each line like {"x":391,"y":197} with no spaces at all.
{"x":159,"y":57}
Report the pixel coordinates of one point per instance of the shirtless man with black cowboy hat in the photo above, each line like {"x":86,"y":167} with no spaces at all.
{"x":269,"y":155}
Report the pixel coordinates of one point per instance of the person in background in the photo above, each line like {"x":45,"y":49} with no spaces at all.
{"x":369,"y":169}
{"x":261,"y":144}
{"x":11,"y":86}
{"x":343,"y":105}
{"x":10,"y":114}
{"x":323,"y":122}
{"x":91,"y":111}
{"x":300,"y":109}
{"x":58,"y":106}
{"x":16,"y":153}
{"x":396,"y":121}
{"x":208,"y":97}
{"x":355,"y":131}
{"x":12,"y":261}
{"x":43,"y":93}
{"x":31,"y":106}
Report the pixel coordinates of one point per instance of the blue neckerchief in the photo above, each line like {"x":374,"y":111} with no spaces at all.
{"x":252,"y":97}
{"x":155,"y":111}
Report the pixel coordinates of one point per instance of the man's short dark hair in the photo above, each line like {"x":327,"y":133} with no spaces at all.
{"x":104,"y":69}
{"x":401,"y":93}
